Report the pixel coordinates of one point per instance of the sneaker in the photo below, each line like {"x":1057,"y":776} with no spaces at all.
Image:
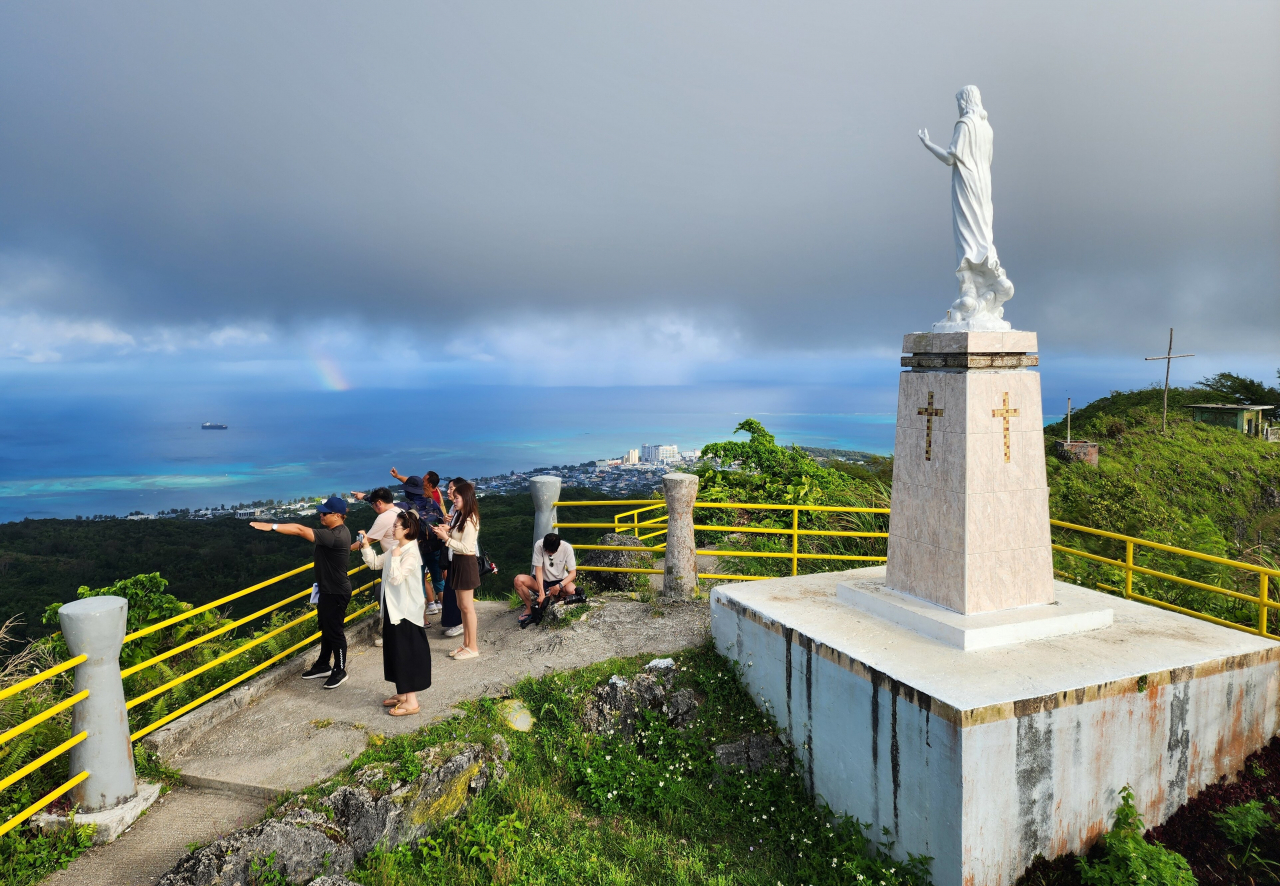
{"x":434,"y":608}
{"x":377,"y":641}
{"x":336,"y":679}
{"x":453,"y":631}
{"x":317,"y":670}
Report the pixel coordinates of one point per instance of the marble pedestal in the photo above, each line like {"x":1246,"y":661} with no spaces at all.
{"x":969,"y":520}
{"x":984,"y":758}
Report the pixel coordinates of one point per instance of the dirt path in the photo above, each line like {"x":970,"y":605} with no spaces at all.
{"x":296,"y":733}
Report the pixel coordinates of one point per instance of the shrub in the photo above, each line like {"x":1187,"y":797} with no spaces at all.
{"x":1125,"y":858}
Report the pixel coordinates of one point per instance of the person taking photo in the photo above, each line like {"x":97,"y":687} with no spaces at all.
{"x":461,"y":539}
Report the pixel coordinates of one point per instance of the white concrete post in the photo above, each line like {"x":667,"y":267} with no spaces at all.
{"x":95,"y":627}
{"x":545,"y":490}
{"x":680,"y":571}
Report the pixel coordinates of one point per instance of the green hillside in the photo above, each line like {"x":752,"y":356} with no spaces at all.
{"x":1196,"y":485}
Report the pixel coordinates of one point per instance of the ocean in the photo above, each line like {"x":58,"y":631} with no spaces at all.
{"x":144,"y":450}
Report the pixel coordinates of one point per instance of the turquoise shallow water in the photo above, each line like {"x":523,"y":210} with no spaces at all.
{"x":145,"y":450}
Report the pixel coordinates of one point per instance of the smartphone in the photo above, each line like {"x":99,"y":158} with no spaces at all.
{"x":360,"y":536}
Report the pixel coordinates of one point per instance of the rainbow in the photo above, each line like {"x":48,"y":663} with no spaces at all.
{"x":330,"y":373}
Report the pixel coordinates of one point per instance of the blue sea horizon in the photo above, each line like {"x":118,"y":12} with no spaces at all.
{"x":144,"y":452}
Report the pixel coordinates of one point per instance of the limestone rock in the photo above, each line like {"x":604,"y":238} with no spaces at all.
{"x":619,"y":581}
{"x":681,"y":708}
{"x":299,"y":853}
{"x":516,"y":715}
{"x":334,"y":881}
{"x":615,"y":707}
{"x":753,"y":753}
{"x":378,"y":808}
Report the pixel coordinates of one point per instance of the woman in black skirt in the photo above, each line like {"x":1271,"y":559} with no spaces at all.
{"x":406,"y":656}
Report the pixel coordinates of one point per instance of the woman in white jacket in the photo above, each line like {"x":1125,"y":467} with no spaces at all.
{"x":406,"y":655}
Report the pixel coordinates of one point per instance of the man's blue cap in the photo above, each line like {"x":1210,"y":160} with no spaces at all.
{"x":335,"y":505}
{"x":413,"y":486}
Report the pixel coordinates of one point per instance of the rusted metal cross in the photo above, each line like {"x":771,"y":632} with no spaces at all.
{"x":1006,"y":413}
{"x":928,"y":426}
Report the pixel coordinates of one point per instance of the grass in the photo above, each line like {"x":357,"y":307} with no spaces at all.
{"x":1205,"y":488}
{"x":585,"y":809}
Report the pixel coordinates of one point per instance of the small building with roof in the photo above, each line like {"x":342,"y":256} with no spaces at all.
{"x":1252,"y":421}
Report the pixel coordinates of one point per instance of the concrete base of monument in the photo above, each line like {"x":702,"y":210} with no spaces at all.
{"x":109,"y":823}
{"x":981,"y":759}
{"x":1074,"y":611}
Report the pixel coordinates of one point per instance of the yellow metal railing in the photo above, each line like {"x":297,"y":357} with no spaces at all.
{"x":644,"y":524}
{"x":249,"y":644}
{"x":1129,"y":567}
{"x":655,"y":525}
{"x":227,"y":656}
{"x":29,"y":724}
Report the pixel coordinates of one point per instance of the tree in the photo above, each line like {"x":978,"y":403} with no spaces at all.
{"x":1241,"y":390}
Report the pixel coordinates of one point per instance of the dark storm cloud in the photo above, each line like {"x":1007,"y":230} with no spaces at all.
{"x":755,"y":166}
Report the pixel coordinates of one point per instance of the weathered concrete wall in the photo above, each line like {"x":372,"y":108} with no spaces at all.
{"x":965,"y":756}
{"x":866,"y":750}
{"x":1069,"y":756}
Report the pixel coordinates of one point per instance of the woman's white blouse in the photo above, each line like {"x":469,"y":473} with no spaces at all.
{"x":401,"y":582}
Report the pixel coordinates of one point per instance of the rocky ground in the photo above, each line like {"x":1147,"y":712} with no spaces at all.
{"x":319,"y":836}
{"x":297,"y":734}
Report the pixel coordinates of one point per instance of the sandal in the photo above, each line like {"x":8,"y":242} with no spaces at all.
{"x":454,"y":653}
{"x":390,"y":702}
{"x":525,"y":620}
{"x":464,"y":653}
{"x":399,"y":711}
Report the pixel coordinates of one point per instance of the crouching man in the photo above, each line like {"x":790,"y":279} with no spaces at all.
{"x":554,"y":571}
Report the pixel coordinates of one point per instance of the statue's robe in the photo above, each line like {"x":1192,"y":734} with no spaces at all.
{"x":971,"y":212}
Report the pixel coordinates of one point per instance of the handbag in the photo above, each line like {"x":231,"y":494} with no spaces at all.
{"x":485,"y":565}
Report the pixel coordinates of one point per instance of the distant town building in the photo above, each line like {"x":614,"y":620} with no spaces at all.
{"x":632,"y":457}
{"x":691,"y":454}
{"x":658,"y":453}
{"x":1252,"y":421}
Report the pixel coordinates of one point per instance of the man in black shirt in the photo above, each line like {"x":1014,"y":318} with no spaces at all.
{"x":333,"y":546}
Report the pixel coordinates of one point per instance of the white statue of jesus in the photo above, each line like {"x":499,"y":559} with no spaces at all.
{"x":984,"y":288}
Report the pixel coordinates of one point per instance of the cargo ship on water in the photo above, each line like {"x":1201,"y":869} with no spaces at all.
{"x":212,"y":426}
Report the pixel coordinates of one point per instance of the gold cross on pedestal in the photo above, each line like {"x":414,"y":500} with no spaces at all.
{"x":928,"y":426}
{"x":1006,"y":413}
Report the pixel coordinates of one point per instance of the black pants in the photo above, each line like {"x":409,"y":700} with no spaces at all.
{"x":451,"y":616}
{"x":331,"y":612}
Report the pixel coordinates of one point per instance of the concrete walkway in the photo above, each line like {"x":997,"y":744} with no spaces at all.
{"x":295,"y":733}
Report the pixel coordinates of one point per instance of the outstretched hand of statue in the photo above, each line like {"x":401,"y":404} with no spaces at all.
{"x":941,"y":153}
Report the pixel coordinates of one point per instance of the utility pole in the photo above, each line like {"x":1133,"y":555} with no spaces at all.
{"x":1168,"y":360}
{"x":1068,"y":419}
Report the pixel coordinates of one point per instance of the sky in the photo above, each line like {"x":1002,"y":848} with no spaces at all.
{"x":239,"y":197}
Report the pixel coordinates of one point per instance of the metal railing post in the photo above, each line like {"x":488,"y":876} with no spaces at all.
{"x":1262,"y":603}
{"x":680,"y":568}
{"x":795,"y":541}
{"x":1128,"y":572}
{"x":94,"y":627}
{"x":545,"y":490}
